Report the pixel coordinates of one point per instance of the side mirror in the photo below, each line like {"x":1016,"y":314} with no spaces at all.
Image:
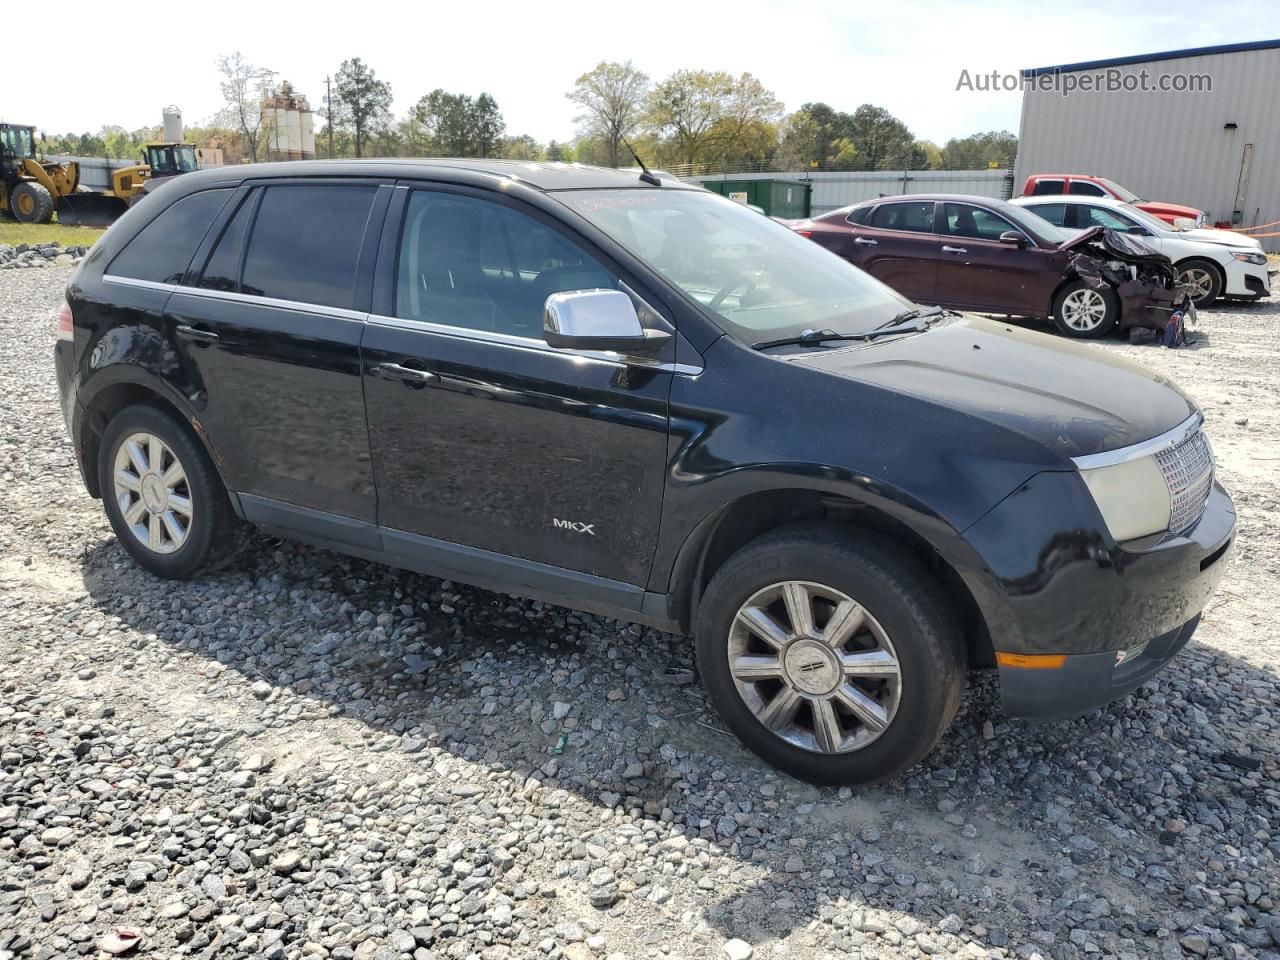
{"x":1183,"y":223}
{"x":1013,"y":238}
{"x":597,"y":320}
{"x":1137,"y":230}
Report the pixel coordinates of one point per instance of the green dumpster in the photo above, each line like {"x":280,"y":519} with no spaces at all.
{"x":788,"y":199}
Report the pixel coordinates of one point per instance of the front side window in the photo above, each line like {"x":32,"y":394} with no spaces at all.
{"x":916,"y":216}
{"x":1046,"y":187}
{"x":965,"y":220}
{"x":758,"y":279}
{"x":1083,"y":188}
{"x":472,"y":263}
{"x":162,"y":251}
{"x":306,"y":243}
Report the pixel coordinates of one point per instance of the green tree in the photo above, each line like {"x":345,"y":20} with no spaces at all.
{"x":244,"y":86}
{"x":684,"y":108}
{"x":362,"y":102}
{"x":980,"y":150}
{"x":523,"y":147}
{"x":882,"y":141}
{"x":455,"y":125}
{"x":612,"y":97}
{"x":556,"y":152}
{"x":747,"y":127}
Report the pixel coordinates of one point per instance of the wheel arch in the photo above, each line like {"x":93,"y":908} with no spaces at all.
{"x":1201,"y":258}
{"x":106,"y":402}
{"x":740,"y":521}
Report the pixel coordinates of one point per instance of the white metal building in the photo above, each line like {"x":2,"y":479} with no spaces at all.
{"x":1217,"y":148}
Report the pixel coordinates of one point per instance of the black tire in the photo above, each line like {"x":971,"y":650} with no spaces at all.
{"x":1110,"y":318}
{"x":1214,"y":273}
{"x":211,"y":529}
{"x":896,"y":591}
{"x":35,"y":198}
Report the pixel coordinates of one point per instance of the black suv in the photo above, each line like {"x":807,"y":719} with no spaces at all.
{"x":624,"y":394}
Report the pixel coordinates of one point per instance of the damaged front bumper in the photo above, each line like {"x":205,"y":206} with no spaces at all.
{"x":1144,"y":280}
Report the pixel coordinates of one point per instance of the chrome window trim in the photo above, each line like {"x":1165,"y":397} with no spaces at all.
{"x":530,"y":343}
{"x":1144,"y":449}
{"x":144,"y":284}
{"x":300,"y":306}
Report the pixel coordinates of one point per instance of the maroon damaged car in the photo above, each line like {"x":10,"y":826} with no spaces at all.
{"x":989,"y":256}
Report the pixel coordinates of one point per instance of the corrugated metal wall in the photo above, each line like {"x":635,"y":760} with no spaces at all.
{"x":1169,"y":145}
{"x":834,"y":190}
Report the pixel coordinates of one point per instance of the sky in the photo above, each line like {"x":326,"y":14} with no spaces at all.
{"x":906,"y":56}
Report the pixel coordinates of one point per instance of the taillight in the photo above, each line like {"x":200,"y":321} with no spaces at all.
{"x":65,"y":328}
{"x":805,"y":233}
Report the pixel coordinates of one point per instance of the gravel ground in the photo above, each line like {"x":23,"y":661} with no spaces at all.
{"x":312,"y":756}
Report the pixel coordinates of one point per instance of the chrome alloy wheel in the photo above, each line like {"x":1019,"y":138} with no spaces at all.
{"x":1199,"y":280}
{"x":152,"y":493}
{"x":814,"y":667}
{"x":1084,"y":309}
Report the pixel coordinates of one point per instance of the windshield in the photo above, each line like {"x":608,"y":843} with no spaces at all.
{"x":1036,"y":224}
{"x":1128,"y":196}
{"x":18,"y":142}
{"x":161,"y":160}
{"x":760,"y":279}
{"x":1154,"y":224}
{"x":185,"y":158}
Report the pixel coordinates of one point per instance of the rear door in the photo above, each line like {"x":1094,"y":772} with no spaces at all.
{"x":895,"y":243}
{"x":269,"y":324}
{"x":484,"y":437}
{"x":978,"y":272}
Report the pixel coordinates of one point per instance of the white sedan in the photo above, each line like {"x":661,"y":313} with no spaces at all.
{"x":1217,"y":263}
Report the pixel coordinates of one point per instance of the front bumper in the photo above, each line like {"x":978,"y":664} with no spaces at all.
{"x":1248,"y":281}
{"x":1087,"y":680}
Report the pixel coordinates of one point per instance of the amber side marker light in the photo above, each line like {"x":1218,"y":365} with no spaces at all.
{"x":1038,"y":661}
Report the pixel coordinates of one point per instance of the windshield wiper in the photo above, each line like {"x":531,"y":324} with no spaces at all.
{"x":908,"y":321}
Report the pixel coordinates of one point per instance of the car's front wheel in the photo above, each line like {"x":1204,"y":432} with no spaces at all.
{"x":831,"y":655}
{"x":1204,"y":279}
{"x":1081,"y":311}
{"x":162,"y":495}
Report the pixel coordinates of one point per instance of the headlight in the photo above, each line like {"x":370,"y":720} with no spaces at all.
{"x":1256,"y":258}
{"x":1132,"y":497}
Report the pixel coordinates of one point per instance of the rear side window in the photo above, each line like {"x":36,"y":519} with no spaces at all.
{"x":162,"y":251}
{"x":1043,"y":187}
{"x":1055,"y":213}
{"x":916,"y":216}
{"x":1083,"y":188}
{"x":222,"y":271}
{"x":859,"y":215}
{"x":306,"y":241}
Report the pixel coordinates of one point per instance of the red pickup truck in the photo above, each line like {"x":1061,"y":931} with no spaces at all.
{"x":1082,"y":184}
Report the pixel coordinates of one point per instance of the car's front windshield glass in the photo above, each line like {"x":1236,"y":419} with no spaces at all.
{"x":1128,"y":196}
{"x":1154,"y":224}
{"x":760,"y":279}
{"x":1035,"y":224}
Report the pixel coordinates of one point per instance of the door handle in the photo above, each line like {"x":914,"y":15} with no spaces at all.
{"x":198,"y":334}
{"x":394,"y":371}
{"x":954,"y":250}
{"x":864,"y":240}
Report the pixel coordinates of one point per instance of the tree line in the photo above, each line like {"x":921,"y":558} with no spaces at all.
{"x":692,"y":120}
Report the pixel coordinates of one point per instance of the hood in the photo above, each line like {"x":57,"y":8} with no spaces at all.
{"x":1072,"y":398}
{"x":1226,"y":237}
{"x":1161,"y":209}
{"x":1115,"y":243}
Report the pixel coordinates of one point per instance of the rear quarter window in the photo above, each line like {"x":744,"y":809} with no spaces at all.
{"x":162,"y":250}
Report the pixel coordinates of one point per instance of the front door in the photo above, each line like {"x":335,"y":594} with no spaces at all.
{"x":482,"y":435}
{"x":976,"y":271}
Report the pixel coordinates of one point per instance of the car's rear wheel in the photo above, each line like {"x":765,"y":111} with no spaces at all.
{"x":835,"y":658}
{"x":162,"y":495}
{"x":1204,"y":279}
{"x":1083,"y":312}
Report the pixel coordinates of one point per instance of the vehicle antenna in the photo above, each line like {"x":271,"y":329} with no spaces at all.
{"x":645,"y":175}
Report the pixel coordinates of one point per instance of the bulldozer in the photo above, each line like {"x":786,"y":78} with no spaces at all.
{"x":31,"y":190}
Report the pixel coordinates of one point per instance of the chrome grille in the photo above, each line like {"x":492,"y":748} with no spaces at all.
{"x":1188,"y":470}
